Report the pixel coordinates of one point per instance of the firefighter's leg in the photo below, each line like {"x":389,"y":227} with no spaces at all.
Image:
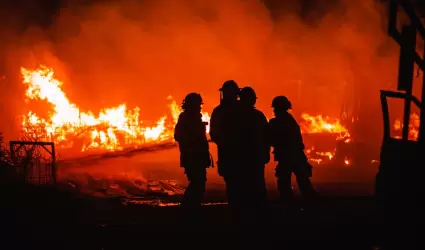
{"x":233,"y":194}
{"x":249,"y":194}
{"x":198,"y":186}
{"x":187,"y":197}
{"x":283,"y":174}
{"x":195,"y":191}
{"x":259,"y":192}
{"x":260,"y":195}
{"x":305,"y":186}
{"x":262,"y":188}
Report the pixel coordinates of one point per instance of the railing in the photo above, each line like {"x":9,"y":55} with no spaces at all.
{"x":385,"y":94}
{"x":29,"y":160}
{"x":407,"y":39}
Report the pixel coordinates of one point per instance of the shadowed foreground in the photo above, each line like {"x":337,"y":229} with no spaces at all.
{"x":44,"y":217}
{"x":67,"y":218}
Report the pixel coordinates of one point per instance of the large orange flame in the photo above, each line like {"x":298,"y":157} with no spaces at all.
{"x":111,"y":129}
{"x":323,"y":124}
{"x":118,"y":127}
{"x":320,"y":124}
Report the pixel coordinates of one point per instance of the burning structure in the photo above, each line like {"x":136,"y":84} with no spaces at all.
{"x":120,"y":131}
{"x":118,"y":128}
{"x":199,"y":45}
{"x":112,"y":129}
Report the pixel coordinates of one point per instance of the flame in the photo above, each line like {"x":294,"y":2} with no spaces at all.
{"x":323,"y":124}
{"x":320,"y":124}
{"x":318,"y":156}
{"x":346,"y":162}
{"x":330,"y":155}
{"x":413,"y":127}
{"x":110,"y":129}
{"x":119,"y":127}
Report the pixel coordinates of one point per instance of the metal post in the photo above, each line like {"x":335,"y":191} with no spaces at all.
{"x":421,"y":137}
{"x":406,"y":68}
{"x":53,"y":162}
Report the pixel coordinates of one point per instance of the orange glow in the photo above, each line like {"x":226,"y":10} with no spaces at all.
{"x":118,"y":127}
{"x":122,"y":68}
{"x":319,"y":157}
{"x":111,"y":129}
{"x":323,"y":124}
{"x":413,"y":127}
{"x":346,"y":162}
{"x":320,"y":124}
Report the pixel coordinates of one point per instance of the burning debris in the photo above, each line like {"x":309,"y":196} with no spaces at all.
{"x":320,"y":124}
{"x":322,"y":135}
{"x":128,"y":184}
{"x":120,"y":132}
{"x":118,"y":128}
{"x":112,"y":129}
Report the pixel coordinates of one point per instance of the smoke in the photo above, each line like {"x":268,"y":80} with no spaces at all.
{"x":139,"y":52}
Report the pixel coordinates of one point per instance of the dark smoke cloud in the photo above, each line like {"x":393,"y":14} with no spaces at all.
{"x":139,"y":52}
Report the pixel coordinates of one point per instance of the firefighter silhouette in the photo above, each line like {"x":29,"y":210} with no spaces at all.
{"x":256,"y":151}
{"x":190,"y":133}
{"x":288,"y":149}
{"x":225,"y":132}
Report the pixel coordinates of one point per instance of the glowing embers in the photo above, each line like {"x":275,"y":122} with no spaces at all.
{"x":321,"y":124}
{"x":328,"y":148}
{"x":118,"y":127}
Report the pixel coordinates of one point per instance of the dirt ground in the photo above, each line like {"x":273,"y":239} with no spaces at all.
{"x":43,"y":217}
{"x":164,"y":165}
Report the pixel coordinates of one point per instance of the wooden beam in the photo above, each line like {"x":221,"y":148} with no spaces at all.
{"x":39,"y":143}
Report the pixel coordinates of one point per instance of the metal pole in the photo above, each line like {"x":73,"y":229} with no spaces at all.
{"x":406,"y":68}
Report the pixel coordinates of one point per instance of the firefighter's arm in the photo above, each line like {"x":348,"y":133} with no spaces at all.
{"x":267,"y":144}
{"x":300,"y":137}
{"x":297,"y":133}
{"x":214,"y":126}
{"x":178,"y":130}
{"x":265,"y":127}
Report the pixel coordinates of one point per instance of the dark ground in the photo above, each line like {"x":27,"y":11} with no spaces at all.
{"x":45,"y":218}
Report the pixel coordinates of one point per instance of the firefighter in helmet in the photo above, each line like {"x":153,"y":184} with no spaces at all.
{"x":256,"y":151}
{"x":288,"y":149}
{"x":190,"y":133}
{"x":225,"y":132}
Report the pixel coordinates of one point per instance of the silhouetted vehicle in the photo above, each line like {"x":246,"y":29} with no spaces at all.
{"x":288,"y":149}
{"x":190,"y":133}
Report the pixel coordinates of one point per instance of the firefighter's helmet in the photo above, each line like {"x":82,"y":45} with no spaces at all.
{"x":281,"y":102}
{"x":192,"y":100}
{"x":230,"y":86}
{"x":248,"y":94}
